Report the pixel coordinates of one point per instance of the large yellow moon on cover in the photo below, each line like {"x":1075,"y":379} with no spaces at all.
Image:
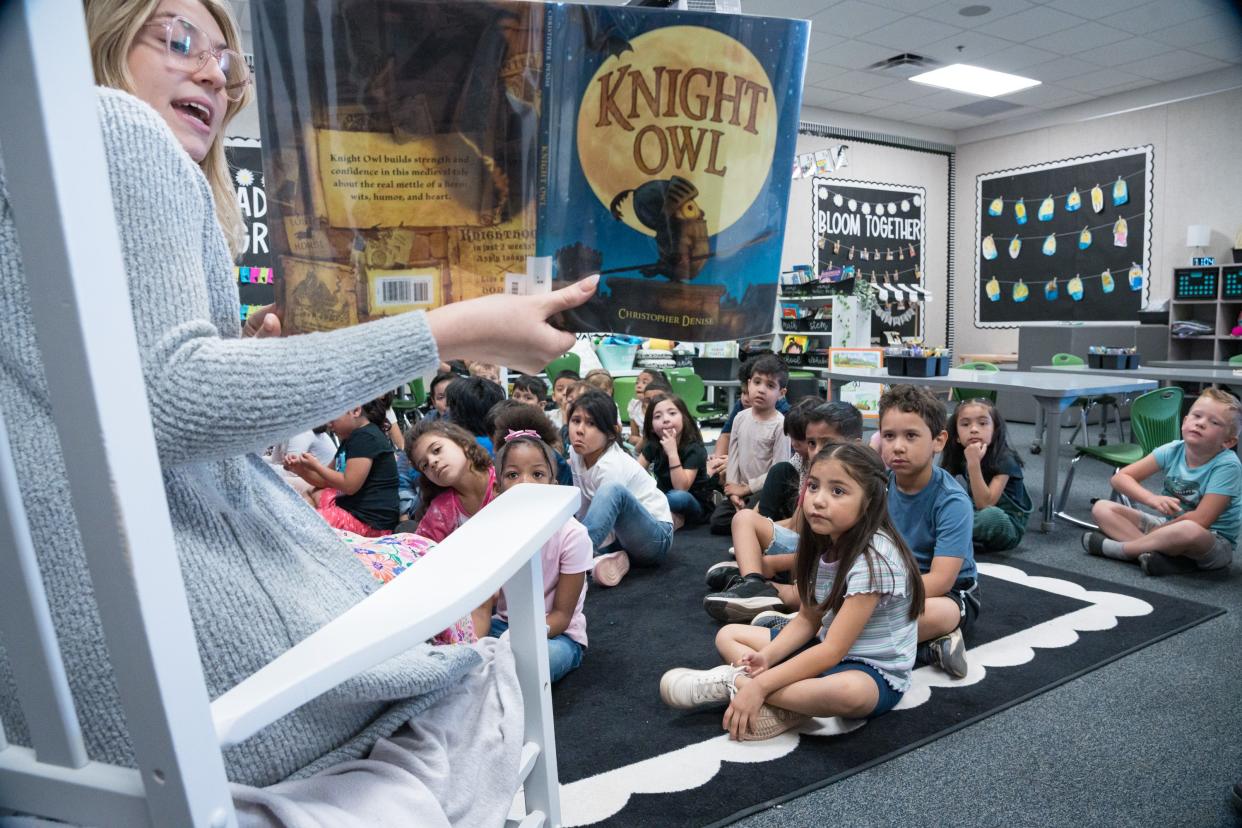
{"x":687,"y":101}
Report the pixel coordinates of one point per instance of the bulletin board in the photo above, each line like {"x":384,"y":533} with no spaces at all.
{"x":879,"y":229}
{"x":1064,"y":241}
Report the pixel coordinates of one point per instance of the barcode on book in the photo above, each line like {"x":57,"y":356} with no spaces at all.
{"x":402,"y":290}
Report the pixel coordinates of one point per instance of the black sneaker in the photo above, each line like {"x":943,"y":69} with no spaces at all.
{"x":742,"y":601}
{"x":773,"y":619}
{"x":1093,"y":543}
{"x":720,"y":576}
{"x":1156,"y":564}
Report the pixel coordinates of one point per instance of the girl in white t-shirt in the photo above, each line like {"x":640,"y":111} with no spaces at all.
{"x":523,"y":457}
{"x":850,"y":649}
{"x":623,"y":511}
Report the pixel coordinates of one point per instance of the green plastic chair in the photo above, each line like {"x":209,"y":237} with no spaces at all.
{"x":685,"y":370}
{"x":962,"y":394}
{"x":1236,"y":359}
{"x":622,"y":393}
{"x":693,"y":392}
{"x":1084,"y":404}
{"x":406,"y":408}
{"x":1155,"y":419}
{"x":565,"y":362}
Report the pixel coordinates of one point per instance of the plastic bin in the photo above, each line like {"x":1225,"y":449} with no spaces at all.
{"x":815,"y":360}
{"x":925,"y":366}
{"x":896,"y":365}
{"x":1133,"y":361}
{"x":1111,"y":362}
{"x":616,"y":357}
{"x":717,"y":368}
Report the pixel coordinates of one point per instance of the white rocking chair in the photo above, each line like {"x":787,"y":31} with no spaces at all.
{"x":59,"y":187}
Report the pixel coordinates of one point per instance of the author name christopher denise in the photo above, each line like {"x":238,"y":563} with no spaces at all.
{"x":685,"y":319}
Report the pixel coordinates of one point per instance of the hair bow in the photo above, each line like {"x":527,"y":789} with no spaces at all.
{"x":526,"y":432}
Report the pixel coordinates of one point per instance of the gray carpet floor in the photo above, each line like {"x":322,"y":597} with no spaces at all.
{"x":1153,"y":739}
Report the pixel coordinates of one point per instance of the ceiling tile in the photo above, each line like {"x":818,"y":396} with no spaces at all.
{"x":1201,"y":30}
{"x":1081,"y":37}
{"x":901,"y":112}
{"x":1046,"y":96}
{"x":854,"y":54}
{"x":975,"y":47}
{"x":816,"y":96}
{"x":817,"y":73}
{"x":1058,"y":68}
{"x":1100,"y":79}
{"x":1228,"y":49}
{"x":909,"y":33}
{"x":907,"y":6}
{"x":947,"y":12}
{"x":797,"y":9}
{"x":1172,"y":65}
{"x":856,"y":82}
{"x":1036,"y":22}
{"x":858,"y":104}
{"x":1124,"y":51}
{"x":1014,"y":57}
{"x":821,"y":40}
{"x":852,"y":18}
{"x":947,"y":120}
{"x":1137,"y":83}
{"x":945,"y":99}
{"x":1092,"y":10}
{"x":1153,"y":17}
{"x":899,"y":92}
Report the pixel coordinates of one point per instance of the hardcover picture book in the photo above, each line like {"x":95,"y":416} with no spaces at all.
{"x":418,"y":152}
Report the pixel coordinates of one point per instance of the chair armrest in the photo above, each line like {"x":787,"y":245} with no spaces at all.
{"x":448,"y":582}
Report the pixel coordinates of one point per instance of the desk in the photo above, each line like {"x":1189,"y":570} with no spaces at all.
{"x":1053,"y":391}
{"x":1192,"y":363}
{"x":995,"y":359}
{"x":731,"y":387}
{"x":1175,"y":372}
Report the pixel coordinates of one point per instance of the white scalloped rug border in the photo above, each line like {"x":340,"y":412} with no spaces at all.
{"x":599,"y":797}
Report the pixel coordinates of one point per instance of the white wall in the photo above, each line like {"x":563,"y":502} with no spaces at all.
{"x":882,"y":165}
{"x":1197,"y":180}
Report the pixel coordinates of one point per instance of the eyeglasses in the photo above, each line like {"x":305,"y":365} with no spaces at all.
{"x":188,"y":47}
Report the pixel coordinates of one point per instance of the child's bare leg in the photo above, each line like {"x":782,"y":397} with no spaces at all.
{"x":788,"y":593}
{"x":941,"y":615}
{"x":1184,"y":538}
{"x":737,"y":640}
{"x":850,"y":693}
{"x":773,"y":565}
{"x":1120,"y":523}
{"x":752,"y":533}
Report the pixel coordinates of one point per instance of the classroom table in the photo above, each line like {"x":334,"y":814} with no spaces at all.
{"x":1053,"y":391}
{"x":1174,"y":372}
{"x":1193,"y":363}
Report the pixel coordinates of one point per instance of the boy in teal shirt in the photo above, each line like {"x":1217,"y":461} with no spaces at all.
{"x":1200,"y":507}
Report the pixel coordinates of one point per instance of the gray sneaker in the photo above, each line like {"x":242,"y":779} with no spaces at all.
{"x":772,"y":619}
{"x":1093,"y":543}
{"x":687,"y":689}
{"x":949,"y":654}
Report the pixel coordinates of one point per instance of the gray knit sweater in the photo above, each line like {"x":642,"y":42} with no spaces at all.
{"x":262,"y":570}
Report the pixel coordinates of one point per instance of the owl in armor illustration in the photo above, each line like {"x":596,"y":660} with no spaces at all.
{"x":668,"y":208}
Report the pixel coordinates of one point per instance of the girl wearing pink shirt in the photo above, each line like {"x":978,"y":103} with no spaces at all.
{"x":457,"y":477}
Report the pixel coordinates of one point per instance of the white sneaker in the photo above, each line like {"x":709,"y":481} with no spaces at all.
{"x":687,"y":689}
{"x":608,"y":570}
{"x":772,"y":721}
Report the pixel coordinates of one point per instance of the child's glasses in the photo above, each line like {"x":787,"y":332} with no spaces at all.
{"x":188,"y":47}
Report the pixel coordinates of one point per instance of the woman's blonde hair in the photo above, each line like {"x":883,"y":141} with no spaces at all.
{"x":113,"y":26}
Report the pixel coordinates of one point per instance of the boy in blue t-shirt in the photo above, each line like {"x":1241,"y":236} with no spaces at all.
{"x":934,"y":515}
{"x":1200,"y":506}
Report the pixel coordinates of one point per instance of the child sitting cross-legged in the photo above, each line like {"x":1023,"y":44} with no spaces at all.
{"x":511,"y":415}
{"x":979,"y":451}
{"x":756,"y":442}
{"x":525,"y":457}
{"x":763,"y":548}
{"x":1200,"y":506}
{"x":362,"y":498}
{"x":674,"y":452}
{"x":934,"y":516}
{"x":850,"y":649}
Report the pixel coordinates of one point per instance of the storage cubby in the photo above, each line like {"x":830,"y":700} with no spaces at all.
{"x":1213,"y":296}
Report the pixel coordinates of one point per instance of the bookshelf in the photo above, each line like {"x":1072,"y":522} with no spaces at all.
{"x":1213,"y":296}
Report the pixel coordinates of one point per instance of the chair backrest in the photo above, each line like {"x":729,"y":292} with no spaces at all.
{"x":1236,"y":359}
{"x":622,"y":393}
{"x":689,"y":387}
{"x":1155,"y":418}
{"x":1067,"y":359}
{"x":684,"y":370}
{"x":418,"y":391}
{"x":967,"y":393}
{"x":565,"y":362}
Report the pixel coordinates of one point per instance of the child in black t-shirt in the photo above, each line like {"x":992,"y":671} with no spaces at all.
{"x":363,"y":498}
{"x":979,"y":451}
{"x":673,"y":449}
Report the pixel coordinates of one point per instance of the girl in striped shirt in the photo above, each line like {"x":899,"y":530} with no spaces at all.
{"x":850,"y":649}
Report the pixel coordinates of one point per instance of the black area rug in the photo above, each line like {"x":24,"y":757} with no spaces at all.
{"x":626,"y":759}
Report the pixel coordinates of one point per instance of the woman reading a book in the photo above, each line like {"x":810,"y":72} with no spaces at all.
{"x":261,"y":569}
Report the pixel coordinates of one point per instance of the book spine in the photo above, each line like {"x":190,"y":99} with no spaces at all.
{"x":549,"y":107}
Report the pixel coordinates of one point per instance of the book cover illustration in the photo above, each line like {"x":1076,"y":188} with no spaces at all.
{"x":417,"y":152}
